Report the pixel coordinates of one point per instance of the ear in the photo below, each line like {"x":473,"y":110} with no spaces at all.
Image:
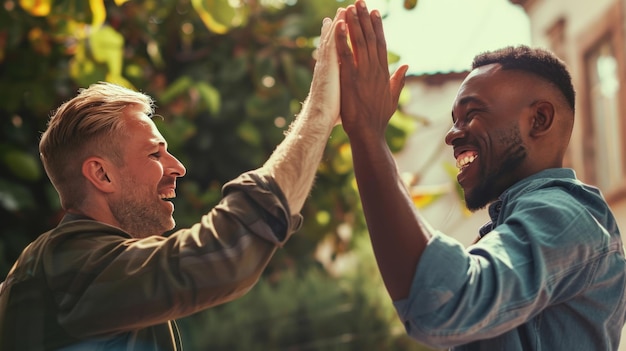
{"x":95,"y":170}
{"x":542,"y":118}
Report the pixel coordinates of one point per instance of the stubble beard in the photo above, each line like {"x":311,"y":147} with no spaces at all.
{"x":490,"y":187}
{"x":138,"y":214}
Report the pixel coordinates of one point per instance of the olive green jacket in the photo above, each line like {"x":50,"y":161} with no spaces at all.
{"x":86,"y":285}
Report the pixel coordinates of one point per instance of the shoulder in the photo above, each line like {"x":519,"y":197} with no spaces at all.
{"x":74,"y":243}
{"x":563,"y":213}
{"x":556,"y":195}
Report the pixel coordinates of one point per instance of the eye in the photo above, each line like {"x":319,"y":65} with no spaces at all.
{"x":472,"y":114}
{"x":156,"y":155}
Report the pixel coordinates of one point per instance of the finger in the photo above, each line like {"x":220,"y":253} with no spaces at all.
{"x":324,"y":35}
{"x":367,"y":28}
{"x":344,"y":51}
{"x":347,"y":67}
{"x":330,"y":23}
{"x":381,"y":43}
{"x":357,"y":39}
{"x":339,"y":16}
{"x":328,"y":35}
{"x":326,"y":24}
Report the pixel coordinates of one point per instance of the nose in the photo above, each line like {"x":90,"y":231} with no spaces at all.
{"x":453,"y":134}
{"x":175,"y":167}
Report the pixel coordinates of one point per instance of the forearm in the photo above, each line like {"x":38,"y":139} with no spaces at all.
{"x":295,"y":161}
{"x":397,"y":231}
{"x":369,"y":97}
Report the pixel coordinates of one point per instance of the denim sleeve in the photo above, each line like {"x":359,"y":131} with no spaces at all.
{"x":546,"y":250}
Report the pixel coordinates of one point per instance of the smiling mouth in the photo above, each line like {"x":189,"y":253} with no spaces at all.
{"x":464,"y":159}
{"x":168,"y":196}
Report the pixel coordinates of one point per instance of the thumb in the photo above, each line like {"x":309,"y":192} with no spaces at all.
{"x":396,"y":82}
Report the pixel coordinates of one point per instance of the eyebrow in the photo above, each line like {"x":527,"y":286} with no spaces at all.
{"x":156,"y":142}
{"x":466,"y":101}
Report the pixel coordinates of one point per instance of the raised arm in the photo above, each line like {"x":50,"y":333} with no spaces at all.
{"x":369,"y":97}
{"x":295,"y":161}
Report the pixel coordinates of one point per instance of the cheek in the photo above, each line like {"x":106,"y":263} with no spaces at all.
{"x":509,"y":137}
{"x":153,"y":175}
{"x":147,"y":173}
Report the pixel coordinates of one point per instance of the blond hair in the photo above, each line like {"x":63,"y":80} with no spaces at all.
{"x":89,"y":124}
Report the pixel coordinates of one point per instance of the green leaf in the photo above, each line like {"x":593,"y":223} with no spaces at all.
{"x":219,"y":16}
{"x":107,"y":46}
{"x":15,"y":197}
{"x":400,"y":127}
{"x":85,"y":72}
{"x":249,"y":133}
{"x":210,"y":96}
{"x":119,"y":80}
{"x":178,"y":87}
{"x":22,"y":164}
{"x":176,"y":131}
{"x":404,"y":122}
{"x":392,"y":57}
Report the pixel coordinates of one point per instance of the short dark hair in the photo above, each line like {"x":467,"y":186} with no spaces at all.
{"x":540,"y":62}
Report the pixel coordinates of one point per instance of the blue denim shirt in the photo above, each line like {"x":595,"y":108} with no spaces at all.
{"x":549,"y":275}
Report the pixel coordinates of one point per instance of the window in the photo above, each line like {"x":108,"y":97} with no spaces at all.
{"x":602,"y":103}
{"x":604,"y":153}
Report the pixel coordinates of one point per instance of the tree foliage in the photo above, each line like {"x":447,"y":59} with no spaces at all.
{"x":228,"y":78}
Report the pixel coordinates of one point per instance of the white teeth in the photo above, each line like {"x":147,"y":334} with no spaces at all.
{"x":168,"y":195}
{"x":465,"y":159}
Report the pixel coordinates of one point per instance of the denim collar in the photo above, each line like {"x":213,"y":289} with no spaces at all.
{"x":496,"y":206}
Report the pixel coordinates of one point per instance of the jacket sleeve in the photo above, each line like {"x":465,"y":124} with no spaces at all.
{"x":105,"y":282}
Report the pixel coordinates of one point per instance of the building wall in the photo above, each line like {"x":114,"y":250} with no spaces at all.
{"x":574,"y":29}
{"x":428,"y":160}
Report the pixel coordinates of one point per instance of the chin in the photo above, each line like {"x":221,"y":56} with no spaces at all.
{"x":474,"y":204}
{"x":172,"y":224}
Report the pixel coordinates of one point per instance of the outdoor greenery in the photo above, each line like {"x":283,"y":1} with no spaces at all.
{"x":228,"y":78}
